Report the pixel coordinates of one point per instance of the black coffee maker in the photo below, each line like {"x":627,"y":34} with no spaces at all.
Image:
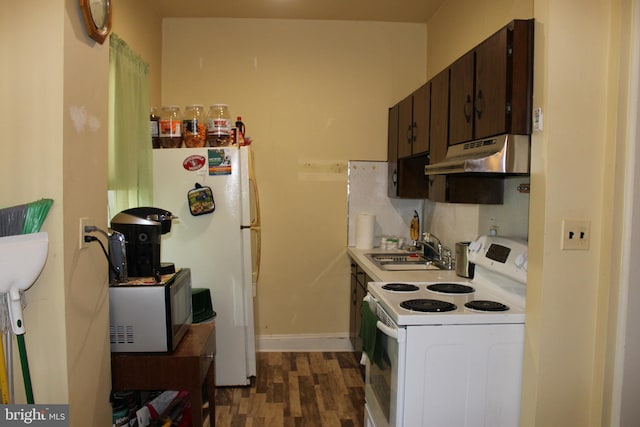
{"x":142,"y":228}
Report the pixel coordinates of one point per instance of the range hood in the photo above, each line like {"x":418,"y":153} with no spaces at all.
{"x":504,"y":154}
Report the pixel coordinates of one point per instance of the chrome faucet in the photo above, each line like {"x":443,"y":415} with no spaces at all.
{"x":432,"y":246}
{"x":435,"y":251}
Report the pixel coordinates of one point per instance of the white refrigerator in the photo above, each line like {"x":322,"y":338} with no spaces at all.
{"x":221,"y":246}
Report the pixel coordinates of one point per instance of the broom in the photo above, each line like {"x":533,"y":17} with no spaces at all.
{"x":11,"y":223}
{"x":21,"y":219}
{"x":35,"y":215}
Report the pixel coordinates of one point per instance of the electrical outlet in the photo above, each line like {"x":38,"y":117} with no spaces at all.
{"x":537,"y":119}
{"x":576,"y":234}
{"x":81,"y":233}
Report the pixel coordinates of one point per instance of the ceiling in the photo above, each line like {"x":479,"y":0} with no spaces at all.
{"x":418,"y":11}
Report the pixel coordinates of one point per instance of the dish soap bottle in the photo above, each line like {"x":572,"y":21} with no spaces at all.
{"x":414,"y":228}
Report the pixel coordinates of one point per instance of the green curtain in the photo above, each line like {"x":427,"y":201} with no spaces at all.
{"x":130,"y":160}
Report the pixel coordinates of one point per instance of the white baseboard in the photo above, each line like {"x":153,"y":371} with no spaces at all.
{"x":304,"y":342}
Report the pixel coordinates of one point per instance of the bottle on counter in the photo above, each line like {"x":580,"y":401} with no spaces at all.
{"x":154,"y":122}
{"x":194,"y":126}
{"x":171,"y":127}
{"x":218,"y":125}
{"x":240,"y":131}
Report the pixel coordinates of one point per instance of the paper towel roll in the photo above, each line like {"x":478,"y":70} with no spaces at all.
{"x":365,"y":229}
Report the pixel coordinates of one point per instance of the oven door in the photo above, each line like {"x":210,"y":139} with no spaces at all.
{"x":384,"y":383}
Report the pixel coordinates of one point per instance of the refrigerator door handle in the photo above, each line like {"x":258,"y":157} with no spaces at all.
{"x":255,"y":222}
{"x":256,"y":272}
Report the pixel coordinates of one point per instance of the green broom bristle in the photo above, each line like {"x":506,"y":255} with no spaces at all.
{"x":35,"y":215}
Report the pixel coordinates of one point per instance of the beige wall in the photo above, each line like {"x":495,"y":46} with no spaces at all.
{"x":66,"y":317}
{"x":137,"y":23}
{"x":459,"y":25}
{"x":313,"y":95}
{"x":576,"y":84}
{"x":32,"y":158}
{"x":58,"y":98}
{"x":84,"y":148}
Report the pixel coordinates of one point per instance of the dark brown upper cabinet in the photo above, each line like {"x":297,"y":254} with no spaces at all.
{"x":438,"y":133}
{"x":413,"y":125}
{"x":406,"y":178}
{"x":392,"y":152}
{"x":454,"y":188}
{"x":491,"y":86}
{"x":462,"y":99}
{"x":486,"y":92}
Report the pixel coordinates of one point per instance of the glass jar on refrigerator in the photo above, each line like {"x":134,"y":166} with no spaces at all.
{"x":218,"y":125}
{"x":171,"y":127}
{"x":194,"y":126}
{"x":154,"y":123}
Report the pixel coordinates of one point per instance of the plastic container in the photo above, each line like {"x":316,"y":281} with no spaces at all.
{"x":202,"y":306}
{"x":171,"y":127}
{"x":218,"y":125}
{"x":194,"y":127}
{"x":154,"y":122}
{"x":120,"y":416}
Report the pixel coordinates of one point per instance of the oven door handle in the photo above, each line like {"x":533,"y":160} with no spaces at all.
{"x":388,"y":331}
{"x":385,"y":329}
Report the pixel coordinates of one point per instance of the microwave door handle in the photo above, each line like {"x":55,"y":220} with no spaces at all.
{"x":388,"y":331}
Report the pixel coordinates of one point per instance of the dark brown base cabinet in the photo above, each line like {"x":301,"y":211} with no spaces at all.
{"x":359,"y":280}
{"x":486,"y":92}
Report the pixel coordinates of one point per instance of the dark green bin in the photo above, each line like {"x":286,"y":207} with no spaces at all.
{"x":202,"y":307}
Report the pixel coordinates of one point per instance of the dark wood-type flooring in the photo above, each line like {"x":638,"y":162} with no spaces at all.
{"x":296,"y":390}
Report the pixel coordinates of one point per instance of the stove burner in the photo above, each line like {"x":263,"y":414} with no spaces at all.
{"x":400,"y":287}
{"x":451,"y":288}
{"x":427,"y":305}
{"x":483,"y":305}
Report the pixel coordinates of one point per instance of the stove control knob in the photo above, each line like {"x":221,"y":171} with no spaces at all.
{"x":521,"y":261}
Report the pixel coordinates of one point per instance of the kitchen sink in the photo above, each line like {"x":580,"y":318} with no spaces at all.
{"x":401,"y":262}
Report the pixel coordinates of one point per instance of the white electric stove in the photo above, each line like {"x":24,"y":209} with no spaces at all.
{"x":451,"y":352}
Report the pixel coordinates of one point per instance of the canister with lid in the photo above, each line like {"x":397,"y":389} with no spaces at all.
{"x":218,"y":125}
{"x":171,"y":127}
{"x":194,"y":126}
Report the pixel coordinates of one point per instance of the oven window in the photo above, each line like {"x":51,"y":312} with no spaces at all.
{"x":381,"y":384}
{"x":380,"y":381}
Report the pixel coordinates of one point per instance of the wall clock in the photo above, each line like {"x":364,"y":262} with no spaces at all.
{"x":97,"y":18}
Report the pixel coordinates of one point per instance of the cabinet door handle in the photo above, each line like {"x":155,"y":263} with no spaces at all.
{"x":467,"y":109}
{"x":415,"y":132}
{"x":409,"y":134}
{"x":479,"y":104}
{"x":394,"y":178}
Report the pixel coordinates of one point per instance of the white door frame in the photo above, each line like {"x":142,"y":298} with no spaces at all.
{"x":626,"y":387}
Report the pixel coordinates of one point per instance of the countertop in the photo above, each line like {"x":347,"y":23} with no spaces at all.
{"x":378,"y":275}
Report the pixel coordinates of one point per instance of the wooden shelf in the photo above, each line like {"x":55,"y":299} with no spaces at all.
{"x":189,"y":367}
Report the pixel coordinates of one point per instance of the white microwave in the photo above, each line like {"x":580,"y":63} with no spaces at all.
{"x":150,"y":317}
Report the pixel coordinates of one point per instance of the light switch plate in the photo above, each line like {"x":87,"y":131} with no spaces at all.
{"x":576,"y":234}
